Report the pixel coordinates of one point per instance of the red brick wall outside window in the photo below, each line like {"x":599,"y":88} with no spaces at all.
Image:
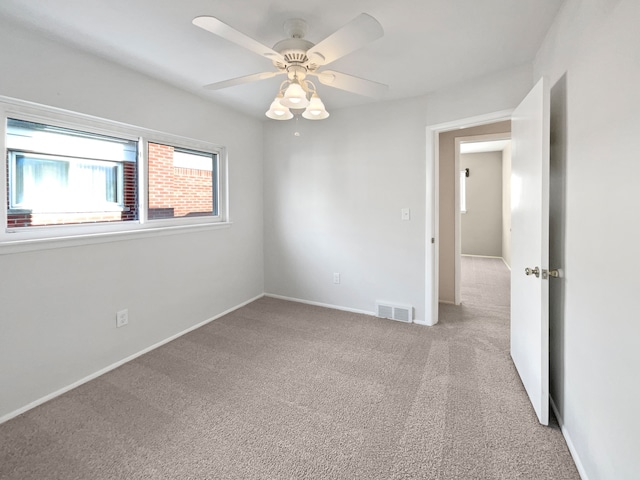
{"x":176,"y":191}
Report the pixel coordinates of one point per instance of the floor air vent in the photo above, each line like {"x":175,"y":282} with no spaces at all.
{"x":402,"y":313}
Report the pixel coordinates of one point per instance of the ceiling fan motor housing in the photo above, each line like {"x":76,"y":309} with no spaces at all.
{"x":294,"y":51}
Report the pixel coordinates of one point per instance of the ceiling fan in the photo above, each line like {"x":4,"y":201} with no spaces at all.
{"x":299,"y":58}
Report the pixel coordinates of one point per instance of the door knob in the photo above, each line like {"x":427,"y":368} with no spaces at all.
{"x":535,"y":271}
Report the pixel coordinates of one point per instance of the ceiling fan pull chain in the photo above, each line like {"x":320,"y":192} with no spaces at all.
{"x":296,"y":133}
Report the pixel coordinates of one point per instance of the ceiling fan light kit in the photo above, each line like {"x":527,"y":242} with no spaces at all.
{"x":277,"y":111}
{"x":299,"y":58}
{"x":295,"y":96}
{"x":299,"y":95}
{"x":315,"y":110}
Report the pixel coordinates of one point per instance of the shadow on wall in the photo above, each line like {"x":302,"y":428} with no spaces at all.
{"x":557,"y":222}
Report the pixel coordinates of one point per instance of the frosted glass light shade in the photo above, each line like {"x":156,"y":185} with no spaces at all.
{"x":277,"y":111}
{"x":315,"y":110}
{"x":295,"y":97}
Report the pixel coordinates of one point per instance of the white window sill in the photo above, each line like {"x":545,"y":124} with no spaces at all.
{"x":33,"y":244}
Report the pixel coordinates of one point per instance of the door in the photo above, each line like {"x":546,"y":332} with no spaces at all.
{"x":530,"y":246}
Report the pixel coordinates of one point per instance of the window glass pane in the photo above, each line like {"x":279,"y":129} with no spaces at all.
{"x":61,"y":176}
{"x":182,"y":183}
{"x":463,"y":191}
{"x":50,"y":184}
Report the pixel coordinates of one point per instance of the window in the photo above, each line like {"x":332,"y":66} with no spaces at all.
{"x":61,"y":176}
{"x":182,"y":182}
{"x":72,"y":175}
{"x":463,"y":191}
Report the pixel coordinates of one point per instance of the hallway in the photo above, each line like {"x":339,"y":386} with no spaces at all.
{"x":485,"y":281}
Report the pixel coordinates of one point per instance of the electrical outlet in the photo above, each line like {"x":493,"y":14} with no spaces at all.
{"x":336,"y":278}
{"x":122,"y":318}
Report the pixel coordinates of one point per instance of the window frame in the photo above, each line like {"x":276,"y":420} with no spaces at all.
{"x":51,"y":236}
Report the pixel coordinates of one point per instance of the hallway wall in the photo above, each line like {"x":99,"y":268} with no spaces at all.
{"x":481,"y":224}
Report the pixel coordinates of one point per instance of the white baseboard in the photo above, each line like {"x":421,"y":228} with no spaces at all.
{"x":486,"y":256}
{"x":319,"y":304}
{"x":567,"y":438}
{"x":335,"y":307}
{"x":447,"y":302}
{"x":423,"y":322}
{"x":113,"y":366}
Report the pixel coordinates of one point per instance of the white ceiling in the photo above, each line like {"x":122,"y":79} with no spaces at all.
{"x":428,"y":44}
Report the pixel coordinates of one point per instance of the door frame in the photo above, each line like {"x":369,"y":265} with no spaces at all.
{"x":432,"y":202}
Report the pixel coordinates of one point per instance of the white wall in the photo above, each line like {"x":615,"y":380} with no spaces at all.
{"x":333,"y":200}
{"x":492,"y":93}
{"x":595,"y":356}
{"x":57,"y":306}
{"x":481,"y":225}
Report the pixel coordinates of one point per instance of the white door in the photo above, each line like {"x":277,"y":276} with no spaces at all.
{"x":530,"y":246}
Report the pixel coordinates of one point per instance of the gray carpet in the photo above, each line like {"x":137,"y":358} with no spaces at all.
{"x":279,"y":390}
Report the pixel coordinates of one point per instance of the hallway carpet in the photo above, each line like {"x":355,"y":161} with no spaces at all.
{"x":280,"y":390}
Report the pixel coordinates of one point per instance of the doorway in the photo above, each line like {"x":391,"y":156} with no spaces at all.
{"x":483,"y":219}
{"x":449,"y":216}
{"x":442,"y":201}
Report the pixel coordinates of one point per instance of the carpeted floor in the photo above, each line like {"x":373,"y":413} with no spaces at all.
{"x":279,"y":390}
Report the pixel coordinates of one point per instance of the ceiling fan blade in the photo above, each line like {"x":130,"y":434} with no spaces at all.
{"x":350,"y":83}
{"x":217,"y":27}
{"x":240,"y":80}
{"x":356,"y":34}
